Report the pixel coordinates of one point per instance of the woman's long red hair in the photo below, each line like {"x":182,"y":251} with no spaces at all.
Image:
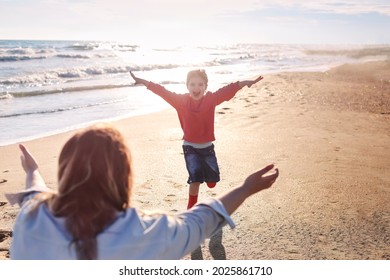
{"x":94,"y":179}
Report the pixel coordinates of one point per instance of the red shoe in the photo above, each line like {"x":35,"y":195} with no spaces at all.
{"x":211,"y":184}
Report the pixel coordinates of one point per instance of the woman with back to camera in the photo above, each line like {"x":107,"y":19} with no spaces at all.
{"x":91,"y":217}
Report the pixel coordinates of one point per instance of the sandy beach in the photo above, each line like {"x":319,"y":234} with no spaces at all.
{"x":327,"y":132}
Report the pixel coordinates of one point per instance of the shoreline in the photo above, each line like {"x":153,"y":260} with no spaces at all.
{"x":326,"y":131}
{"x":307,"y":69}
{"x":78,"y":127}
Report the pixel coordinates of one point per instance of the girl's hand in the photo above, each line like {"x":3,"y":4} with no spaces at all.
{"x":255,"y":81}
{"x":139,"y":80}
{"x":133,"y":76}
{"x":250,"y":83}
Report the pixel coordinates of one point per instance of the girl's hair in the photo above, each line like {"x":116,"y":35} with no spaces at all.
{"x":95,"y":183}
{"x":198,"y":73}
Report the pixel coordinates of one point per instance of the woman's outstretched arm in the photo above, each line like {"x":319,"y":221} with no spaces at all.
{"x":30,"y":166}
{"x":254,"y":183}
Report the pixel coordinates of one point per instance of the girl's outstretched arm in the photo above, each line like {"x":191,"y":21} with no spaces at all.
{"x":139,"y":80}
{"x":249,"y":83}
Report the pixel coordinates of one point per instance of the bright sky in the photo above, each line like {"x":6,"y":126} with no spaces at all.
{"x":199,"y":22}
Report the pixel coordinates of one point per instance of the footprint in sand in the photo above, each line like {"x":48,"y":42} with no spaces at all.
{"x":175,"y":184}
{"x":211,"y":193}
{"x":224,"y":109}
{"x":5,"y":234}
{"x":169,"y":197}
{"x":3,"y":181}
{"x":2,"y":203}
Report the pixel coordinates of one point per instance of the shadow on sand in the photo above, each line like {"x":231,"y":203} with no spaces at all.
{"x":216,"y":248}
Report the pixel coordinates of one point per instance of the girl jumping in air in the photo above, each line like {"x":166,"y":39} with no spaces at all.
{"x":196,"y":110}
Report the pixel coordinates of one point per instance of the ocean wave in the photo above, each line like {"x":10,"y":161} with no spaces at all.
{"x":353,"y":53}
{"x":61,"y":109}
{"x":232,"y":60}
{"x":60,"y":76}
{"x":125,"y":47}
{"x":83,"y":46}
{"x":21,"y":51}
{"x":90,"y":46}
{"x":30,"y":80}
{"x":25,"y":53}
{"x":60,"y":90}
{"x":4,"y":96}
{"x":66,"y":51}
{"x":11,"y":58}
{"x":73,"y":56}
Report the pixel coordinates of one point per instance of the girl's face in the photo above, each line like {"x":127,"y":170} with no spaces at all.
{"x":196,"y":87}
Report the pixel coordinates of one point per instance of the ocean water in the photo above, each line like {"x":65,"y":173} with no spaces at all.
{"x":48,"y":87}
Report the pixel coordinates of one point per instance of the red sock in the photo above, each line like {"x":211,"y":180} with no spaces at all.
{"x":211,"y":184}
{"x":192,"y":200}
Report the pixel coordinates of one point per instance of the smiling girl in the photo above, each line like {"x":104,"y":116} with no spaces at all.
{"x":196,"y":110}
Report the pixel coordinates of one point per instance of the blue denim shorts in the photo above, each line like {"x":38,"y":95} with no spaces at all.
{"x":202,"y":165}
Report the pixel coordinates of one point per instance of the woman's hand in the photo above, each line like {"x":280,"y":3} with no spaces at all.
{"x":30,"y":166}
{"x":261,"y":180}
{"x":28,"y":162}
{"x":254,"y":183}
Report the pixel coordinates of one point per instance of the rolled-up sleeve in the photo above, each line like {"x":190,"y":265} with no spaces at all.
{"x":218,"y":207}
{"x":189,"y":229}
{"x":22,"y":196}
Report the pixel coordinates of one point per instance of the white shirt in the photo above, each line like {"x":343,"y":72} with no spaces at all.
{"x":133,"y":235}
